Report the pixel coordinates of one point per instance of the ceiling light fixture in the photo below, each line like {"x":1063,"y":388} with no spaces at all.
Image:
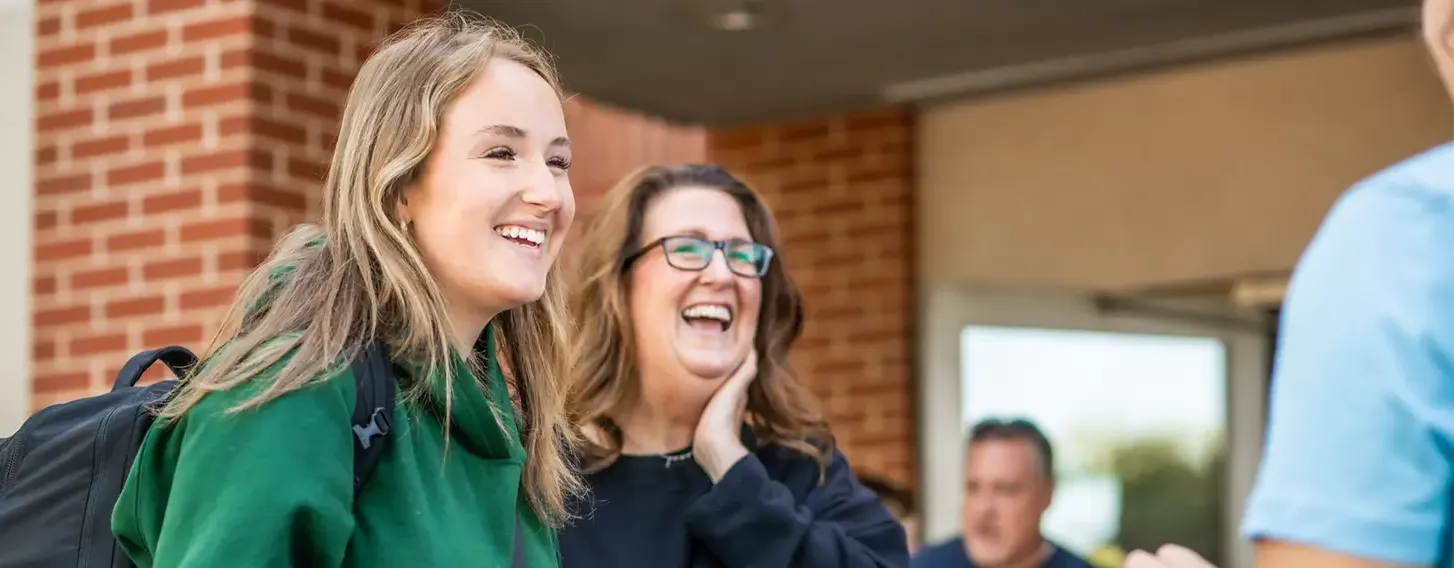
{"x":734,"y":15}
{"x":734,"y":21}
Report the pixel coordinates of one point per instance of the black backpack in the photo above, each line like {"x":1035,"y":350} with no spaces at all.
{"x":61,"y":473}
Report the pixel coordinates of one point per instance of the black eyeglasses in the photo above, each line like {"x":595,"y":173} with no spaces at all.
{"x":744,"y":258}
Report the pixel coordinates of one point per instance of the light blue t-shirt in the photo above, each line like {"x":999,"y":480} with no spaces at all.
{"x":1360,"y":440}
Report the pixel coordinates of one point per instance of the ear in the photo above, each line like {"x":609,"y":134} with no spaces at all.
{"x":1444,"y":46}
{"x":1438,"y":31}
{"x":401,"y":207}
{"x":1048,"y":496}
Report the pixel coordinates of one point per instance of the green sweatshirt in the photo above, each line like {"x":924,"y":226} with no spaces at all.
{"x":273,"y":486}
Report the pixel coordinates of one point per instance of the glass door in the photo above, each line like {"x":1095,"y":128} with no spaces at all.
{"x":1155,"y":428}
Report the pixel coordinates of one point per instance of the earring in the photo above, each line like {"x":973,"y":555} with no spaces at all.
{"x":404,"y":225}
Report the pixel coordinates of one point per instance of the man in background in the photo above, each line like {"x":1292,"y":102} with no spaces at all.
{"x":899,"y":502}
{"x":1009,"y":478}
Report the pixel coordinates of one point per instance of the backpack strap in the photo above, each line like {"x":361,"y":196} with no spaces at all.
{"x":177,"y":358}
{"x":374,"y":412}
{"x":517,"y":560}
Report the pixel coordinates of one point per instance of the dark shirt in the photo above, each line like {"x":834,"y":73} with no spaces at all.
{"x":951,"y":554}
{"x":770,"y":510}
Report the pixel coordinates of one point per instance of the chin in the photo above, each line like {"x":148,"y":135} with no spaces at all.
{"x":987,"y":559}
{"x":709,"y":365}
{"x":710,"y":371}
{"x":986,"y":555}
{"x":515,"y":293}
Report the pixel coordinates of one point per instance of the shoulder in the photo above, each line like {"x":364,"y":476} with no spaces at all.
{"x":286,"y":397}
{"x":1378,"y":275}
{"x":1397,"y":205}
{"x":941,"y":554}
{"x":1064,"y":558}
{"x":244,"y":431}
{"x":800,"y":470}
{"x":833,"y":490}
{"x":1418,"y":189}
{"x":1427,"y":171}
{"x":223,"y":481}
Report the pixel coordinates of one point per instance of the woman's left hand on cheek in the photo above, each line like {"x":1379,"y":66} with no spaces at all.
{"x":717,"y":444}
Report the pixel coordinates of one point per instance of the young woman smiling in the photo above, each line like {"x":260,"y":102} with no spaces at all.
{"x":444,"y":209}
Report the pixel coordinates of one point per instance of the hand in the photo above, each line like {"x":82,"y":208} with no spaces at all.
{"x":1168,"y":556}
{"x":717,"y":444}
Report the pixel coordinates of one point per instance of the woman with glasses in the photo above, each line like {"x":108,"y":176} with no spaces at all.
{"x":701,"y":449}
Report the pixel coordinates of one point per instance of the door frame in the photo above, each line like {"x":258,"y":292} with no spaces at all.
{"x":944,"y":311}
{"x":17,"y":90}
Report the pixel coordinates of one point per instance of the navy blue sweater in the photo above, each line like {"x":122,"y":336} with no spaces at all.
{"x":768,"y":511}
{"x":951,"y":554}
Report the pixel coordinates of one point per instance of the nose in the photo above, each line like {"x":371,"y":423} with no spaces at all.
{"x":541,"y":190}
{"x":979,"y":509}
{"x":717,"y":271}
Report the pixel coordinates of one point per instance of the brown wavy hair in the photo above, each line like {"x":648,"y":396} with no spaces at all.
{"x":603,"y":368}
{"x":357,"y":276}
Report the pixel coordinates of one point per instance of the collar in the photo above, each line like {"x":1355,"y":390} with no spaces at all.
{"x":481,"y":417}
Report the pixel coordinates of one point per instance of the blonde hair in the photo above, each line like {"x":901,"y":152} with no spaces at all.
{"x":604,"y":373}
{"x":358,"y":278}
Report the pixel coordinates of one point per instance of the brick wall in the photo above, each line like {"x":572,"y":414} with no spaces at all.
{"x":177,"y":139}
{"x":840,"y":188}
{"x":619,"y":141}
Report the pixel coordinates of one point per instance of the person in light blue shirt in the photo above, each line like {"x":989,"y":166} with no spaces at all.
{"x":1359,"y":459}
{"x":1360,"y":442}
{"x":1359,"y":462}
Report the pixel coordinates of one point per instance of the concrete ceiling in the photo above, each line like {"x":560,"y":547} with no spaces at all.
{"x":806,"y":57}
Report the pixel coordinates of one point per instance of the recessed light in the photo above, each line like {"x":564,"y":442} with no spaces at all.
{"x":734,"y":21}
{"x":734,"y":15}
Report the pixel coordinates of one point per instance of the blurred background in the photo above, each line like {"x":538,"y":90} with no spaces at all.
{"x":1080,"y":212}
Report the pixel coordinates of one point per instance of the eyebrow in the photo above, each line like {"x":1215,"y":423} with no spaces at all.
{"x":701,"y":234}
{"x":507,"y":131}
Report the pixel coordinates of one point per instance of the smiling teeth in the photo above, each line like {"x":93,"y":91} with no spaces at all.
{"x":708,"y":311}
{"x":531,"y":236}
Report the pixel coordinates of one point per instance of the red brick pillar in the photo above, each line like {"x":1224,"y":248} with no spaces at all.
{"x":175,"y":139}
{"x":840,"y":187}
